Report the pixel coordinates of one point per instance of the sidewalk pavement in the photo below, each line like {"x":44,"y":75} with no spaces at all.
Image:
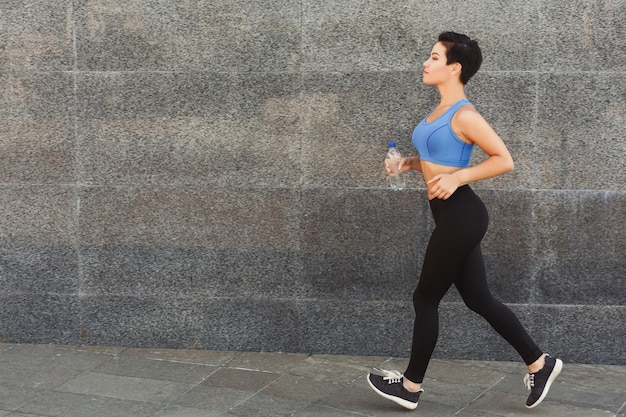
{"x":93,"y":381}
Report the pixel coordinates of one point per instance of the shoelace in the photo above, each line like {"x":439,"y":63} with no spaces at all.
{"x":529,"y":380}
{"x":394,"y":377}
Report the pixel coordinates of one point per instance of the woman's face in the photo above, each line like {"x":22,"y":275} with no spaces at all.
{"x":436,"y":69}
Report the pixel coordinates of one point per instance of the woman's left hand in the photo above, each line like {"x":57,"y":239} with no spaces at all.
{"x":443,"y":185}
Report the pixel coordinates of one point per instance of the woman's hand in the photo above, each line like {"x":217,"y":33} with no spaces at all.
{"x":391,"y":170}
{"x":406,"y":164}
{"x":444,"y":185}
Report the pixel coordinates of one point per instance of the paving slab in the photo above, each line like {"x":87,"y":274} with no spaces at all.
{"x":102,"y":381}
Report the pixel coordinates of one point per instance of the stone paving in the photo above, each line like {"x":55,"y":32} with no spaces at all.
{"x":93,"y":381}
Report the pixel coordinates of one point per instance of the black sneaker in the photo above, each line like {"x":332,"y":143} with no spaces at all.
{"x":539,"y":382}
{"x":390,"y":387}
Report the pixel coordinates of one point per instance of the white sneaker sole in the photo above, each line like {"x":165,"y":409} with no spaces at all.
{"x":555,"y":372}
{"x":404,"y":403}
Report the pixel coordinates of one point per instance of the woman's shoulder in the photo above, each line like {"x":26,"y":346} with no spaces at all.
{"x":469,"y":124}
{"x":467,"y":114}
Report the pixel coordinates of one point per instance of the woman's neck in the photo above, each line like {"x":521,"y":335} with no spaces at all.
{"x":451,"y":93}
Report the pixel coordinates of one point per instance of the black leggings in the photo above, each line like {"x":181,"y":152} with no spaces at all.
{"x":453,"y":256}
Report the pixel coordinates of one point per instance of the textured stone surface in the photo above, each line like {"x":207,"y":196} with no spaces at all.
{"x":36,"y":35}
{"x":32,"y":317}
{"x":224,"y":130}
{"x":581,"y":138}
{"x":208,"y":174}
{"x":348,"y":118}
{"x":581,"y":248}
{"x":204,"y":35}
{"x":74,"y":381}
{"x":585,"y":334}
{"x":37,"y":142}
{"x":348,"y":252}
{"x":577,"y":37}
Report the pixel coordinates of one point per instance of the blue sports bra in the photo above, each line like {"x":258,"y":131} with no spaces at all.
{"x":436,"y":141}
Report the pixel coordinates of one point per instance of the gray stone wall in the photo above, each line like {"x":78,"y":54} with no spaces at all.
{"x":208,"y":174}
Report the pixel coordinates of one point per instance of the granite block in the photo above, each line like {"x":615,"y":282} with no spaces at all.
{"x":153,"y":271}
{"x":510,"y":280}
{"x":36,"y":35}
{"x":356,"y":327}
{"x":189,"y":217}
{"x":580,"y":225}
{"x":37,"y":95}
{"x":185,"y":322}
{"x":139,"y":322}
{"x":582,"y":35}
{"x":160,"y":35}
{"x":510,"y":235}
{"x":507,"y":101}
{"x":582,"y":136}
{"x":37,"y":150}
{"x":582,"y":334}
{"x":464,"y":334}
{"x":38,"y":269}
{"x":365,"y":245}
{"x":583,"y":282}
{"x":396,"y":35}
{"x":37,"y":215}
{"x":223,"y":130}
{"x":348,"y":119}
{"x":33,"y":318}
{"x":580,"y":249}
{"x":358,"y":277}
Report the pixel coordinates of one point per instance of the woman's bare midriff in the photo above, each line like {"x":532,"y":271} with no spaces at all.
{"x":430,"y":170}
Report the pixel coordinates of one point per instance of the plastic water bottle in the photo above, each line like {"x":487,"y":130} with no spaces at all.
{"x":392,"y":160}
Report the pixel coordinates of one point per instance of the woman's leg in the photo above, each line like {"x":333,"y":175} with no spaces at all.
{"x":461,"y":222}
{"x":543,"y":370}
{"x":473,"y":287}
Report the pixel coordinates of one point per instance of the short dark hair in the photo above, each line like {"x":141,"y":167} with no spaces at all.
{"x":460,"y":48}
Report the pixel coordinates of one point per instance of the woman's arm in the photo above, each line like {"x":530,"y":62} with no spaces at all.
{"x":472,"y":127}
{"x":475,"y":128}
{"x":411,"y":163}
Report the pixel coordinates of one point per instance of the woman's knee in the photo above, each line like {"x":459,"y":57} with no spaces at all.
{"x":485,"y":306}
{"x":424,"y":299}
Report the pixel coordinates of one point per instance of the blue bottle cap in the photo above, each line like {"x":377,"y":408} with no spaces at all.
{"x":392,"y":144}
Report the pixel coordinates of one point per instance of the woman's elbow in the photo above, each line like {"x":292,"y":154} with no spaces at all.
{"x":506,"y":163}
{"x":510,"y":165}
